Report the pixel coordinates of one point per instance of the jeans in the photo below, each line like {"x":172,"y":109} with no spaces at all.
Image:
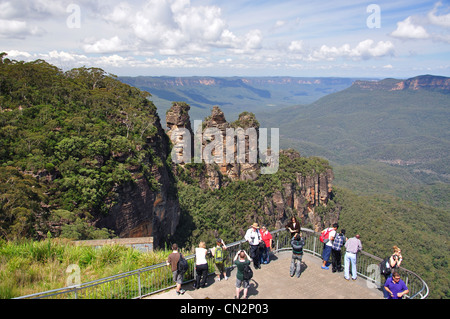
{"x":264,"y":252}
{"x":296,"y":265}
{"x":350,"y":258}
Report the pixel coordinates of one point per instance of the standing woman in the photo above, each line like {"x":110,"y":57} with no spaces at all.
{"x":293,"y":226}
{"x":201,"y":265}
{"x":266,"y":237}
{"x":396,"y":259}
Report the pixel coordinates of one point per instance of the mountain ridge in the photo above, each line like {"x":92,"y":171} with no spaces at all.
{"x":428,"y":81}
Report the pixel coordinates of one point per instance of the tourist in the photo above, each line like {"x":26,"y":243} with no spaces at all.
{"x":336,"y":256}
{"x":201,"y":265}
{"x":395,"y":287}
{"x":293,"y":226}
{"x":297,"y":244}
{"x":266,"y":237}
{"x":391,"y":265}
{"x":172,"y":260}
{"x":352,"y":246}
{"x":328,"y":244}
{"x":219,"y":258}
{"x":396,"y":259}
{"x":244,"y":259}
{"x":253,"y":237}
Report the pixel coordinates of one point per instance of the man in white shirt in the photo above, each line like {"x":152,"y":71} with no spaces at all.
{"x":254,"y":237}
{"x":328,"y":245}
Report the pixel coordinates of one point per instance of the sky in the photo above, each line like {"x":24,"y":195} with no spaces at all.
{"x":345,"y":38}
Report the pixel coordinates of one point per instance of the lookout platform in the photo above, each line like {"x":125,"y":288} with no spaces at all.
{"x":273,"y":281}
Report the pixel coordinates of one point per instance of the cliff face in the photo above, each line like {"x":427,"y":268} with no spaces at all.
{"x":299,"y":198}
{"x":303,"y":197}
{"x":142,"y":208}
{"x":423,"y":82}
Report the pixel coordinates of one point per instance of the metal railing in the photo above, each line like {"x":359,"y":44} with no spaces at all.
{"x":153,"y":279}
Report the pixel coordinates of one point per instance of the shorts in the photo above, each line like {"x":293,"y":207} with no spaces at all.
{"x":178,"y":278}
{"x":326,"y":252}
{"x":244,"y":283}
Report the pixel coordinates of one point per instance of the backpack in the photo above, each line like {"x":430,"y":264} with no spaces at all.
{"x":385,"y":267}
{"x":182,"y":265}
{"x":247,"y":272}
{"x":324,"y":236}
{"x":218,"y":255}
{"x":297,"y":246}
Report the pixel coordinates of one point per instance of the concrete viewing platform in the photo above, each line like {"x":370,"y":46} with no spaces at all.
{"x":273,"y":281}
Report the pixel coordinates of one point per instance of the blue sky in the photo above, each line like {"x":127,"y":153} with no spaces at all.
{"x":232,"y":38}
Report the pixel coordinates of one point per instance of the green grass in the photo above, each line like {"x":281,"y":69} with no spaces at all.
{"x":28,"y":266}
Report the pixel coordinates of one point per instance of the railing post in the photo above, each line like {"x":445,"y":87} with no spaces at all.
{"x":278,"y":240}
{"x":139,"y":283}
{"x":314,"y":245}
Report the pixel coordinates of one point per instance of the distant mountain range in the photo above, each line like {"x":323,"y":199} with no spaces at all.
{"x":422,"y":82}
{"x":235,"y":94}
{"x":395,"y":130}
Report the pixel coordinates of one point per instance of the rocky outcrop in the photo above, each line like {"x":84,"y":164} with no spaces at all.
{"x":299,"y":198}
{"x":422,"y":82}
{"x":143,"y":207}
{"x":303,"y":198}
{"x":179,"y":130}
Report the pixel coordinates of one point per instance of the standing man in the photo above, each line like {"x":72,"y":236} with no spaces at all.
{"x":240,"y":260}
{"x":395,"y":287}
{"x":297,"y":244}
{"x":254,"y":237}
{"x":338,"y":242}
{"x":219,"y":258}
{"x":172,"y":261}
{"x":352,"y":246}
{"x":328,"y":244}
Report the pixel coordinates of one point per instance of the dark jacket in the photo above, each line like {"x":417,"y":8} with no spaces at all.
{"x":296,"y":229}
{"x":297,"y":246}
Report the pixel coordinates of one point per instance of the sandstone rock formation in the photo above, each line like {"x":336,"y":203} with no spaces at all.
{"x":299,"y":198}
{"x":141,"y":208}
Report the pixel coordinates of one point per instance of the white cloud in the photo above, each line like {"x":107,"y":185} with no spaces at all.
{"x":17,"y":29}
{"x":441,"y":20}
{"x":105,"y":46}
{"x":16,"y":54}
{"x":364,"y":50}
{"x":177,"y":26}
{"x":296,"y":46}
{"x":407,"y":30}
{"x":121,"y":14}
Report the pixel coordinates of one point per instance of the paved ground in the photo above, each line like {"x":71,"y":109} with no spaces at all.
{"x":273,"y":281}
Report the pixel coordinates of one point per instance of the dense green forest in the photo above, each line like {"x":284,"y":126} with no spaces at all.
{"x":229,"y":211}
{"x":67,"y":138}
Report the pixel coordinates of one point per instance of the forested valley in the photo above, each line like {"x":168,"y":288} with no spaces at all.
{"x":67,"y":139}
